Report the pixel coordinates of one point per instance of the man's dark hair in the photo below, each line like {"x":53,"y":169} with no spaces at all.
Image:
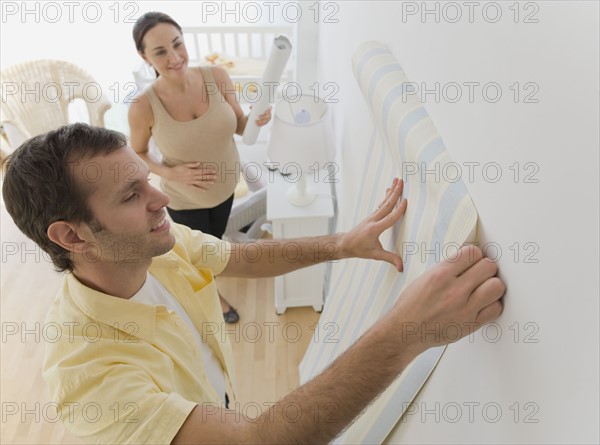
{"x":39,"y":187}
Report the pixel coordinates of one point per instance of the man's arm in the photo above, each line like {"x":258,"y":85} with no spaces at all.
{"x":462,"y":291}
{"x":267,"y":258}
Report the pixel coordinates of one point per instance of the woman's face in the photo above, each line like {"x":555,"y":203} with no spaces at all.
{"x":165,"y":50}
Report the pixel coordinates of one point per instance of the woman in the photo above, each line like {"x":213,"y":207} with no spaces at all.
{"x":192,"y":114}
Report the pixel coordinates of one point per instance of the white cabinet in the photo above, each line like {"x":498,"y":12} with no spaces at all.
{"x":303,"y":287}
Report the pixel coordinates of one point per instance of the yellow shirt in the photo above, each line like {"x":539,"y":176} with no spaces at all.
{"x":127,"y":372}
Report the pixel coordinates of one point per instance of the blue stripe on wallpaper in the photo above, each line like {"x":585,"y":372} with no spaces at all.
{"x":365,"y":58}
{"x":448,"y":204}
{"x":377,"y":76}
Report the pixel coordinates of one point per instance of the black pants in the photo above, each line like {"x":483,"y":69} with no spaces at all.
{"x":212,"y":221}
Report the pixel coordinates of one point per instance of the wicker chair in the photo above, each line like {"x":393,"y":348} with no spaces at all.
{"x":36,"y":96}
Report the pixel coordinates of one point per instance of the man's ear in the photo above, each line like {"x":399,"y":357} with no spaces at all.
{"x":66,"y":235}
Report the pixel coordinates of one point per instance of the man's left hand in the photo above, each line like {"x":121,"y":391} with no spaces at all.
{"x":363,"y":240}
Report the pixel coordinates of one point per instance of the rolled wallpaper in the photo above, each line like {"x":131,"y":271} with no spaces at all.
{"x":280,"y":53}
{"x":439,"y":219}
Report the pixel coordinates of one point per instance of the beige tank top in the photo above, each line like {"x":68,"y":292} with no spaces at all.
{"x":207,"y":139}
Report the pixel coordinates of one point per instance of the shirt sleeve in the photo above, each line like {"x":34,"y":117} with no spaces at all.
{"x":202,"y":250}
{"x":120,"y":404}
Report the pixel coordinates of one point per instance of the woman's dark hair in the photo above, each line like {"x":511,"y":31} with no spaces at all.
{"x":145,"y":23}
{"x":39,"y":187}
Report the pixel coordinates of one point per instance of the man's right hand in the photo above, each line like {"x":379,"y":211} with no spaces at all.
{"x":450,"y":301}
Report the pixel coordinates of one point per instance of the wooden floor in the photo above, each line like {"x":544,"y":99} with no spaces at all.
{"x":267,"y":347}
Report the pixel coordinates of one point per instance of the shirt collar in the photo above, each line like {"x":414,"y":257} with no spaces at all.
{"x":118,"y":312}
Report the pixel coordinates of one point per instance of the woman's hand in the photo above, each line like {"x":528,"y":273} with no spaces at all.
{"x":194,"y":174}
{"x":264,"y":118}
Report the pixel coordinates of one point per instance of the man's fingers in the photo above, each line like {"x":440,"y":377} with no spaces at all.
{"x":477,"y":274}
{"x":487,"y":294}
{"x":489,"y":313}
{"x":387,"y":194}
{"x":393,"y":259}
{"x":393,"y":217}
{"x":391,"y":199}
{"x":463,"y":259}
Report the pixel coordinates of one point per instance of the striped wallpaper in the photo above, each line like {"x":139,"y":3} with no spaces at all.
{"x":440,"y":217}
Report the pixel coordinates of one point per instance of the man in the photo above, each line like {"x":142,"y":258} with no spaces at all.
{"x":139,"y":365}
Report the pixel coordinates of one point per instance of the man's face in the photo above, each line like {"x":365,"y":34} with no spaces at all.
{"x":130,"y":217}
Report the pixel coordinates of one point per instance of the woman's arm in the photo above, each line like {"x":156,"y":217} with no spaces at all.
{"x":141,"y":120}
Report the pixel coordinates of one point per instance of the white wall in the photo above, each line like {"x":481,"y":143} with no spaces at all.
{"x":97,"y":35}
{"x":548,"y":389}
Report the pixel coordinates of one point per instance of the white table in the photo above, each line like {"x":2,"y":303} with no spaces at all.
{"x":303,"y":287}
